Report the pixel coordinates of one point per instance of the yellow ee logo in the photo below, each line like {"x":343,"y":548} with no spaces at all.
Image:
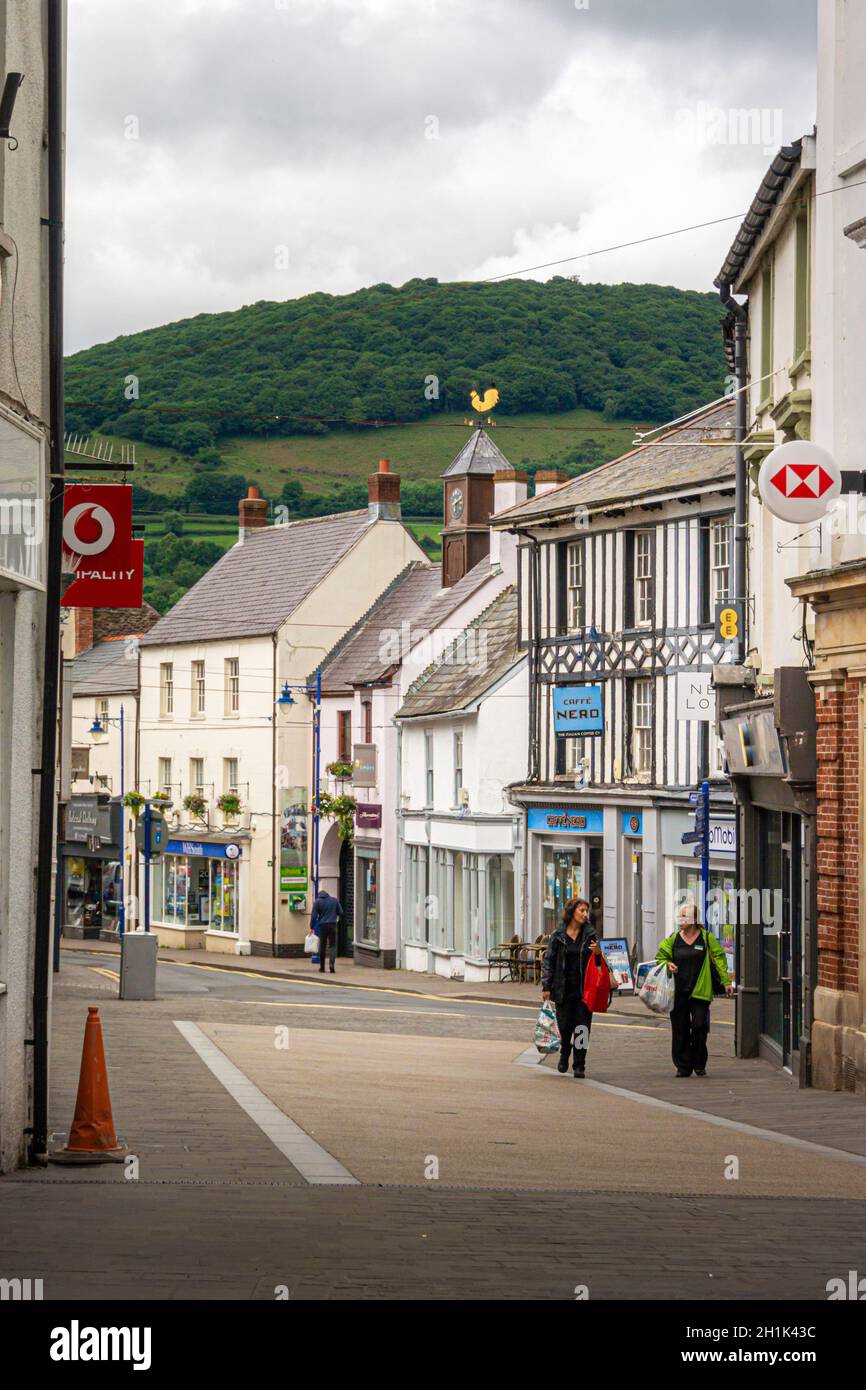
{"x":729,"y":624}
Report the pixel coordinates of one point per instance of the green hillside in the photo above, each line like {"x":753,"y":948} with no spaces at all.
{"x":303,"y":397}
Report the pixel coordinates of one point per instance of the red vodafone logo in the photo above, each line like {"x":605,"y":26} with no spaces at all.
{"x":88,"y":529}
{"x":798,"y":481}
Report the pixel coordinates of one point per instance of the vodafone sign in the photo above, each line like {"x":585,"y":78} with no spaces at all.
{"x":98,"y":546}
{"x":798,"y":481}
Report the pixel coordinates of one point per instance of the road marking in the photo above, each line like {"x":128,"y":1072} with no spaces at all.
{"x":110,"y":974}
{"x":313,"y":1162}
{"x":789,"y":1141}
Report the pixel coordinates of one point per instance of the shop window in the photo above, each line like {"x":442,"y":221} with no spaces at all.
{"x":223,"y":895}
{"x":500,"y":899}
{"x":415,"y":908}
{"x":367,"y":897}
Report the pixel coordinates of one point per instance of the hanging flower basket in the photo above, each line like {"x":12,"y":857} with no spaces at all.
{"x":163,"y":800}
{"x":196,"y":805}
{"x":341,"y":769}
{"x":230,"y":805}
{"x":133,"y":801}
{"x":342,"y":810}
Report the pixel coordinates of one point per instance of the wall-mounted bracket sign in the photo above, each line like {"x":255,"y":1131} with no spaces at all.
{"x":578,"y":709}
{"x":798,"y":481}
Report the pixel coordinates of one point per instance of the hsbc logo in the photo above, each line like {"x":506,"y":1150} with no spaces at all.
{"x":798,"y":481}
{"x":88,"y":529}
{"x":802,"y":480}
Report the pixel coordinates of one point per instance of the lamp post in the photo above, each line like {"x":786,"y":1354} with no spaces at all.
{"x":97,"y":728}
{"x":285,"y":701}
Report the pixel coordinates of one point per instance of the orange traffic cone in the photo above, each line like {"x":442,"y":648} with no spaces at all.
{"x":92,"y":1138}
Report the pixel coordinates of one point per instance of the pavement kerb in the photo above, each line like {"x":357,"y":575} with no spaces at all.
{"x":244,"y":965}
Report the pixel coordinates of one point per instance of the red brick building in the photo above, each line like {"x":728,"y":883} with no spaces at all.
{"x":838,"y":598}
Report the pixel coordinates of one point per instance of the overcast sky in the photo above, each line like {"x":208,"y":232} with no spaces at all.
{"x":227,"y":151}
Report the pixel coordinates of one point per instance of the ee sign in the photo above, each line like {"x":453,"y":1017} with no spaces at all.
{"x":578,"y":709}
{"x":798,"y":481}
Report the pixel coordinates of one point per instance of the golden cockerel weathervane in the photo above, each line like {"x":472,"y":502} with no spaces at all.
{"x":483,"y":404}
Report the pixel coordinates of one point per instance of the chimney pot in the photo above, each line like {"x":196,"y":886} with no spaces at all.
{"x":384,"y":465}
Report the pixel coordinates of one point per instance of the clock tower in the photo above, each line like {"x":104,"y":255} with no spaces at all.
{"x":468,"y":505}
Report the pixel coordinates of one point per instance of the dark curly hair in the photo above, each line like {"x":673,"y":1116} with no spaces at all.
{"x":571,"y":907}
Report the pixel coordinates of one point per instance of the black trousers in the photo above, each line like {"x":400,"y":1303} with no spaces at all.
{"x":690,"y":1025}
{"x":327,"y":945}
{"x":571,"y":1015}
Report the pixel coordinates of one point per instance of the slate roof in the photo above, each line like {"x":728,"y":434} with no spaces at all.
{"x":122,"y":622}
{"x":681,"y":459}
{"x":358,"y":657}
{"x":484,"y":652}
{"x":255,"y":586}
{"x":107,"y":668}
{"x":478,"y":455}
{"x":444,"y":601}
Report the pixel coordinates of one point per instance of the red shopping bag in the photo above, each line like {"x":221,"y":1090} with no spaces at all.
{"x":596,"y":985}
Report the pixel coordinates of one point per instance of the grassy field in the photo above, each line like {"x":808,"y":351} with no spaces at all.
{"x":224,"y":529}
{"x":417,"y":452}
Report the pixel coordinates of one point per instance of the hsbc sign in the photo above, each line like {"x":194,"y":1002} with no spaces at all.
{"x":98,"y":545}
{"x":798,"y":481}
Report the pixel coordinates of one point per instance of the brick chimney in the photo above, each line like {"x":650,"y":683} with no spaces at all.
{"x":383,"y":492}
{"x":252,"y":513}
{"x":548,"y":478}
{"x":77,"y":634}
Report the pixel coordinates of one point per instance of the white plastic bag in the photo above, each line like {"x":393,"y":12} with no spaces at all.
{"x":657,"y":991}
{"x":311,"y":944}
{"x":546,"y":1036}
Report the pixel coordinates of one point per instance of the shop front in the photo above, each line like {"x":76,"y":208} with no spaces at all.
{"x":566,"y":855}
{"x":197,"y":893}
{"x":683,"y":881}
{"x":89,"y":867}
{"x":770,"y":751}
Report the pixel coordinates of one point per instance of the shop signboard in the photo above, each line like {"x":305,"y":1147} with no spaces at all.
{"x":632,"y":822}
{"x":200,"y":849}
{"x":98,"y":545}
{"x":364,"y":765}
{"x":562,"y":819}
{"x":368,"y":816}
{"x":294,"y":820}
{"x":615,"y":952}
{"x":695,"y":696}
{"x":578,"y":709}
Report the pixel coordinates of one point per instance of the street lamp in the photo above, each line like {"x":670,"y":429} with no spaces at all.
{"x":97,"y":728}
{"x":284,"y":701}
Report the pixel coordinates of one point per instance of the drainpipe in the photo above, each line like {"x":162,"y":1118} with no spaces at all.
{"x":275,"y":867}
{"x":398,"y":934}
{"x":51,"y":675}
{"x":742,"y":482}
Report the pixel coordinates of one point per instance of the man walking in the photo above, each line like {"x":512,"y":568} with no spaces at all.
{"x":325,"y":915}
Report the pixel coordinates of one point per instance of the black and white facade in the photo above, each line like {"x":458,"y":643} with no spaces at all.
{"x":619,"y":575}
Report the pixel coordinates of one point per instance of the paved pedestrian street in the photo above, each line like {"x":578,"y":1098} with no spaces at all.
{"x":348,"y":1142}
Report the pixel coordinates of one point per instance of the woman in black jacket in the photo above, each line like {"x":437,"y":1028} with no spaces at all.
{"x":562,"y":975}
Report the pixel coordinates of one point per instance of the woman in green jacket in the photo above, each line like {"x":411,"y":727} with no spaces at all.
{"x":692,"y":955}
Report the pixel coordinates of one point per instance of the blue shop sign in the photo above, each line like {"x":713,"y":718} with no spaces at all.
{"x":632,"y":822}
{"x":578,"y":709}
{"x":197,"y":849}
{"x":558,"y":818}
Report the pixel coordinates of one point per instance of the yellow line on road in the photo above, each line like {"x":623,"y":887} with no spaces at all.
{"x":372,"y":1009}
{"x":110,"y":974}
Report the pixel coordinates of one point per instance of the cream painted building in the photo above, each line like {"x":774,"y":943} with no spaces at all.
{"x":212,"y":671}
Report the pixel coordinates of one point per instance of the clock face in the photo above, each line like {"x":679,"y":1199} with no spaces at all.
{"x":455,"y":503}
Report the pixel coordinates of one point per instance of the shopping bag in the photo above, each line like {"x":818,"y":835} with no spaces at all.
{"x":596,"y":985}
{"x":311,"y":944}
{"x":657,"y":991}
{"x":546,"y":1032}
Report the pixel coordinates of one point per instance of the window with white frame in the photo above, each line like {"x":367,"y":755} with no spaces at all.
{"x":166,"y":689}
{"x":428,"y":769}
{"x":102,"y":712}
{"x":232,"y":685}
{"x":416,"y":921}
{"x":641,"y":692}
{"x":458,"y":767}
{"x":230,"y":775}
{"x":574,"y":590}
{"x":720,"y":561}
{"x":196,"y":776}
{"x":643,"y":578}
{"x":164,"y":775}
{"x":198,"y":690}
